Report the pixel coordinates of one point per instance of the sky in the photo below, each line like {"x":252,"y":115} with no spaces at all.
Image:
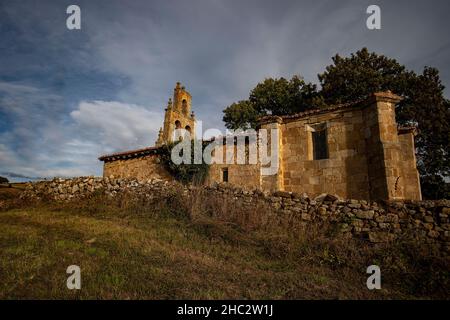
{"x":69,"y":96}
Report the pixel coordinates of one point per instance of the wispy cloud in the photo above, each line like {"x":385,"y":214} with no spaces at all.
{"x":116,"y":125}
{"x":42,"y":140}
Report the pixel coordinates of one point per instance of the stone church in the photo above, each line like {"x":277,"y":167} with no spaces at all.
{"x":354,"y":150}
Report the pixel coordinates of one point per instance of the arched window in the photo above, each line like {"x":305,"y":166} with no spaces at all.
{"x":184,"y":106}
{"x":188,"y":132}
{"x":177,"y":133}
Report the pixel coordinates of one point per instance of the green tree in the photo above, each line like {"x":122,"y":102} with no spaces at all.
{"x":354,"y":77}
{"x":4,"y":180}
{"x":241,"y":115}
{"x":272,"y":96}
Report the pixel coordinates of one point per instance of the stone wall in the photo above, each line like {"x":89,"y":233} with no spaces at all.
{"x":368,"y":157}
{"x":426,"y":221}
{"x":385,"y":150}
{"x":343,"y":173}
{"x":78,"y":188}
{"x":140,"y":168}
{"x":410,"y":175}
{"x":246,"y":176}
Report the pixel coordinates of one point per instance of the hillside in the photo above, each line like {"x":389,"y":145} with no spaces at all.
{"x":131,"y":250}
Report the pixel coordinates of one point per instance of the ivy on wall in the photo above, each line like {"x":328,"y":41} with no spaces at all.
{"x":184,"y":172}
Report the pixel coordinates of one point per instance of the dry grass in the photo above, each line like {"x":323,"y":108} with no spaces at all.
{"x":200,"y":248}
{"x":9,"y":192}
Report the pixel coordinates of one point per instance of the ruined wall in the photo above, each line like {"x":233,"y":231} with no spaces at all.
{"x":391,"y":160}
{"x":246,"y":176}
{"x":425,"y":221}
{"x":366,"y":156}
{"x":140,"y":168}
{"x":384,"y":153}
{"x":409,"y":180}
{"x":343,"y":173}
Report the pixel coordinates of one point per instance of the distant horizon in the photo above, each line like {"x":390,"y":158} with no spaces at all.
{"x":14,"y":178}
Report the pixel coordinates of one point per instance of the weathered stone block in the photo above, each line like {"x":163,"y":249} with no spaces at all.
{"x":365,"y":214}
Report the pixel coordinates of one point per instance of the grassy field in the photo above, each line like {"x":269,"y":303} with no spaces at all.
{"x":10,"y":191}
{"x":134,"y":250}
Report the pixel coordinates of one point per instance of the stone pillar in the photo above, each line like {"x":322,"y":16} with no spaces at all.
{"x":383,"y":147}
{"x":410,"y":180}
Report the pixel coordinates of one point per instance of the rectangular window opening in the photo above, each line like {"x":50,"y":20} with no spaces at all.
{"x":225,"y":175}
{"x":320,"y":147}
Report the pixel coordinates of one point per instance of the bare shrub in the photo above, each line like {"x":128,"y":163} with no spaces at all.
{"x":226,"y":208}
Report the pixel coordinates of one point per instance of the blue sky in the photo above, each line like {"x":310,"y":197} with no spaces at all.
{"x":67,"y":97}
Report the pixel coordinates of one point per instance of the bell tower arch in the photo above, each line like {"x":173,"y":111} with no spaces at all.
{"x":178,"y":115}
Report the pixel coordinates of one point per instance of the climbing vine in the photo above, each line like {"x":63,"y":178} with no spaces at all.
{"x":184,"y":172}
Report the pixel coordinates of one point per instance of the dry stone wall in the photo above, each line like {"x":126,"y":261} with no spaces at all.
{"x":78,"y":188}
{"x":426,"y":221}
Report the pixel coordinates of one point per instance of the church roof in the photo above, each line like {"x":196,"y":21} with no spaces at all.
{"x":129,"y":154}
{"x":387,"y":96}
{"x":304,"y":114}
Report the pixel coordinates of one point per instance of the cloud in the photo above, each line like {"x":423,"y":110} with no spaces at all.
{"x":31,"y":117}
{"x":7,"y":156}
{"x":41,"y":139}
{"x":117,"y":125}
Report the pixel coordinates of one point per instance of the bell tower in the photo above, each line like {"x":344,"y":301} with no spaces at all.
{"x":178,"y":115}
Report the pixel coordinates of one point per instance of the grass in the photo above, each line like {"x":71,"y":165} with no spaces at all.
{"x":8,"y":191}
{"x":130,"y":249}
